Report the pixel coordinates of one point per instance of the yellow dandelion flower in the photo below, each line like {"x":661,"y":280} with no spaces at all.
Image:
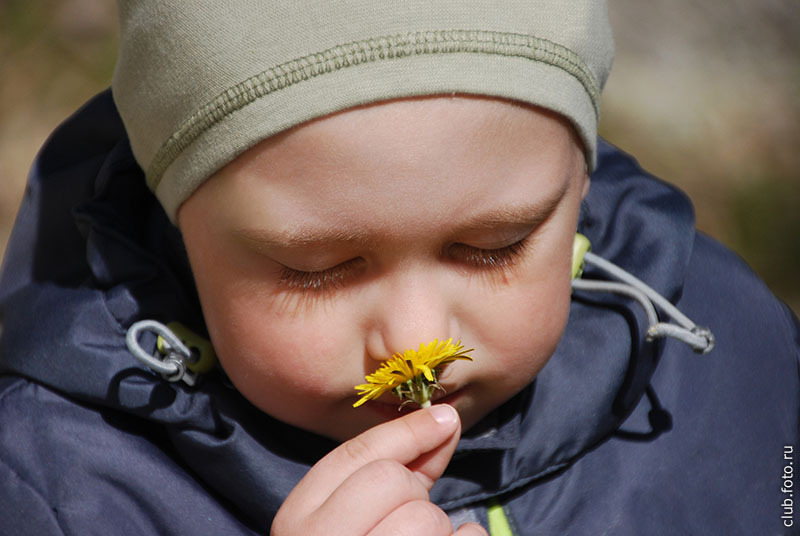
{"x":412,"y":375}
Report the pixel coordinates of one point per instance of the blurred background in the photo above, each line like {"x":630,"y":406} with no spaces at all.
{"x":705,"y":93}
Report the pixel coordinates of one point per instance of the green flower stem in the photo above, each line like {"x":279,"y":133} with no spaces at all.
{"x":418,"y":390}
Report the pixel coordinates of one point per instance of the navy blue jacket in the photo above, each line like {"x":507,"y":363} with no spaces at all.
{"x":615,"y":436}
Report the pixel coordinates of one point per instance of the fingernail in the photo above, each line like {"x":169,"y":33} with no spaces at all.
{"x":444,"y":414}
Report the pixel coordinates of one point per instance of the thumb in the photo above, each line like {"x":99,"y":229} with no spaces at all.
{"x":430,"y":465}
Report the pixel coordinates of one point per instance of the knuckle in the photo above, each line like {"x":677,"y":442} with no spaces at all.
{"x":358,"y":449}
{"x":389,"y":469}
{"x":410,"y":429}
{"x":428,"y":518}
{"x":387,"y":472}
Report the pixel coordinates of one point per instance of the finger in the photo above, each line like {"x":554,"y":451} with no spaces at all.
{"x":415,"y":518}
{"x":471,"y":529}
{"x":403,"y":440}
{"x":374,"y":491}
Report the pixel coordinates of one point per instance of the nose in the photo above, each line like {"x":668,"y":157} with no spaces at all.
{"x":414,"y":309}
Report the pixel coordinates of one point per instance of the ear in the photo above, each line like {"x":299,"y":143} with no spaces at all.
{"x":587,"y":181}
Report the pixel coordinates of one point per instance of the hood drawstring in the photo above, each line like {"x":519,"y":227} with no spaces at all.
{"x":700,"y":339}
{"x":180,"y":353}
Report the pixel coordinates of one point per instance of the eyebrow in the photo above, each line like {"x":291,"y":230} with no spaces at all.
{"x":300,"y":238}
{"x":532,"y":215}
{"x":528,"y":214}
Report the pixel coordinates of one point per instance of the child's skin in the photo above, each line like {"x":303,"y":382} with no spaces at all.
{"x":325,"y":249}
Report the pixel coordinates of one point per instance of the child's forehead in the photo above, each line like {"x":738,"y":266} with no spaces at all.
{"x":442,"y":130}
{"x":465,"y":164}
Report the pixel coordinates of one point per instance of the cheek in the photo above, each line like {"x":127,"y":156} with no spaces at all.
{"x":528,"y":324}
{"x":285,"y":363}
{"x":522,"y":325}
{"x":292,"y":356}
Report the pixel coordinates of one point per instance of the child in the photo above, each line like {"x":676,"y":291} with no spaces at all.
{"x":335,"y":184}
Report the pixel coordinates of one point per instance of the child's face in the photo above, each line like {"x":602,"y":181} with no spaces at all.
{"x":326,"y":249}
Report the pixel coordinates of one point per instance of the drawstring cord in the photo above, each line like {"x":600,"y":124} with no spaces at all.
{"x":698,"y":338}
{"x":180,"y":354}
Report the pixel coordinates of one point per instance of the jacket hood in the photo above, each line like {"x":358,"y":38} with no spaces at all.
{"x":92,"y":252}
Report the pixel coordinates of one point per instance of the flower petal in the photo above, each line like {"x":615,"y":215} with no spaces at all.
{"x":409,"y":365}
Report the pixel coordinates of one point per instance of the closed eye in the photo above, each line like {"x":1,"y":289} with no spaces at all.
{"x":499,"y":258}
{"x":336,"y":277}
{"x":320,"y":280}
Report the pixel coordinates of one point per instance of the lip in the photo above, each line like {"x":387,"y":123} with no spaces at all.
{"x":390,"y":409}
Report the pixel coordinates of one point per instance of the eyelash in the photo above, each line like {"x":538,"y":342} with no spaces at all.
{"x":318,"y":281}
{"x":492,"y":259}
{"x":336,"y":277}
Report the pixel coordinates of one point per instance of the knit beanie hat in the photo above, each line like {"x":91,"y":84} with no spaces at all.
{"x":198,"y":82}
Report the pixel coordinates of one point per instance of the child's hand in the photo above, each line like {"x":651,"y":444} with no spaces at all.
{"x":378,"y":482}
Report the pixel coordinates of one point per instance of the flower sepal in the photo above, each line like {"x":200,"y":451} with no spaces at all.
{"x":418,"y":390}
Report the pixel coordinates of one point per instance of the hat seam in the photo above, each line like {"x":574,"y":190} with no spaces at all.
{"x":363,"y":51}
